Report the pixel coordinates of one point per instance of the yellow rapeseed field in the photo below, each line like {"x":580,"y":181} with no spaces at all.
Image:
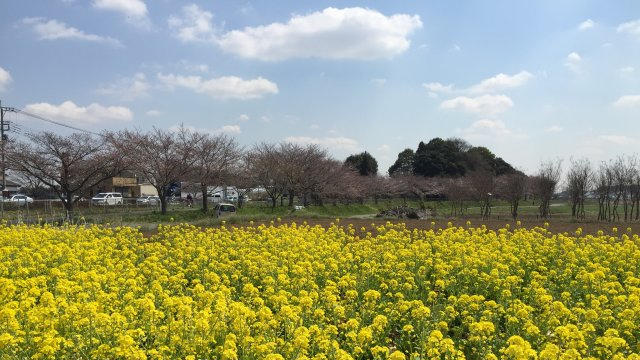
{"x":301,"y":292}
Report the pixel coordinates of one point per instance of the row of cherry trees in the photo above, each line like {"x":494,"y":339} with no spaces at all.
{"x":70,"y":166}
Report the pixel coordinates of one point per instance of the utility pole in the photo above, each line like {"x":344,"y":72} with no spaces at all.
{"x":4,"y":127}
{"x":4,"y":181}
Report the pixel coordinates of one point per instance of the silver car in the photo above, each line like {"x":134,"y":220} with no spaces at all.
{"x":19,"y":199}
{"x":148,"y":200}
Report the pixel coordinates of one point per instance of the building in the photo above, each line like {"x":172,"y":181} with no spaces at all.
{"x":11,"y":188}
{"x":127,"y":186}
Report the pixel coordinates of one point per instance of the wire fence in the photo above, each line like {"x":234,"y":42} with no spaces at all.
{"x":84,"y":211}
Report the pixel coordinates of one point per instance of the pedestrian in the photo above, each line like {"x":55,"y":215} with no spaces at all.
{"x":189,"y":200}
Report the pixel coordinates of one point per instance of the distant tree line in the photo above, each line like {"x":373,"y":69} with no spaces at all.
{"x":71,"y":165}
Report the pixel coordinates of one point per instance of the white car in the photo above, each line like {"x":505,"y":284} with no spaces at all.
{"x":108,"y":198}
{"x":19,"y":199}
{"x":148,"y":200}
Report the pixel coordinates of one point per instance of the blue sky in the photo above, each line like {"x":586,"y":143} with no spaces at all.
{"x":530,"y":80}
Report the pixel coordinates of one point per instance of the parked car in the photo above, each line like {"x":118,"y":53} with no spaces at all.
{"x":19,"y":199}
{"x":224,"y":209}
{"x":148,"y":200}
{"x":107,"y":198}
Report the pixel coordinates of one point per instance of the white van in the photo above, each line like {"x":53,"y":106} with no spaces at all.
{"x":107,"y":198}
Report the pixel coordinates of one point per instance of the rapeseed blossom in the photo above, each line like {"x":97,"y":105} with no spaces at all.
{"x":289,"y":291}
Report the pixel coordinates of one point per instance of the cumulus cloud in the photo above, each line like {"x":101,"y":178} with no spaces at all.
{"x":573,"y":61}
{"x":342,"y":143}
{"x":5,"y":79}
{"x":349,"y":33}
{"x":489,"y":129}
{"x":481,"y":105}
{"x":630,"y":27}
{"x":128,"y":88}
{"x":92,"y":114}
{"x":628,"y":101}
{"x":436,"y":88}
{"x":493,"y":84}
{"x":54,"y":30}
{"x":587,"y":24}
{"x":226,"y":87}
{"x":193,"y":24}
{"x":135,"y":11}
{"x":501,"y":82}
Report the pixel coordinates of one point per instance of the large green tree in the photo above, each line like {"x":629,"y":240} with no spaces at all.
{"x":404,"y":163}
{"x":364,"y":163}
{"x":438,"y":157}
{"x":451,"y":157}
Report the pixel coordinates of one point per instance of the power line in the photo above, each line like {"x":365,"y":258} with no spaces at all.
{"x":57,"y":122}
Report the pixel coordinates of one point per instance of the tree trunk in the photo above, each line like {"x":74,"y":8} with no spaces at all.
{"x":68,"y":205}
{"x":205,"y":197}
{"x":290,"y":198}
{"x":163,"y":202}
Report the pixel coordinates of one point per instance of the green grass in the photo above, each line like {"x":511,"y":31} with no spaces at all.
{"x":260,"y":211}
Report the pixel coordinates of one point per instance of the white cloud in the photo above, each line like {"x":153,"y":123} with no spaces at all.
{"x":631,"y":27}
{"x":486,"y":129}
{"x":378,"y":81}
{"x":573,"y":62}
{"x":194,"y":24}
{"x":501,"y":82}
{"x":226,"y":87}
{"x":135,"y":11}
{"x":585,"y":25}
{"x":349,"y":33}
{"x":92,"y":114}
{"x":54,"y":30}
{"x":553,"y":129}
{"x":128,"y":89}
{"x":153,"y":113}
{"x":618,"y":139}
{"x":243,"y":117}
{"x":436,"y":88}
{"x":193,"y":67}
{"x":5,"y":79}
{"x":265,"y":119}
{"x":225,"y":129}
{"x":627,"y":70}
{"x":342,"y":143}
{"x":456,"y":48}
{"x":482,"y":105}
{"x":493,"y":84}
{"x":314,"y":127}
{"x":627,"y":101}
{"x":230,"y":129}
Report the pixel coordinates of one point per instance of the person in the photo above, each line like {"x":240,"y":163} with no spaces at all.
{"x":189,"y":200}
